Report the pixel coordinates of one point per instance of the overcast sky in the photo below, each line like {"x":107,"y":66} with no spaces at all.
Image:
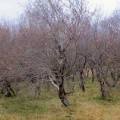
{"x":11,"y":9}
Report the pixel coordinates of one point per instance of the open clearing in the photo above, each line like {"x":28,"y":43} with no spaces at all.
{"x":83,"y":106}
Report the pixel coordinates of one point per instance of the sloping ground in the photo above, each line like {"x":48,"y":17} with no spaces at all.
{"x":83,"y":106}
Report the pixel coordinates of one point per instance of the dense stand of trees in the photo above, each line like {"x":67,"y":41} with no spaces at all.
{"x":57,"y":42}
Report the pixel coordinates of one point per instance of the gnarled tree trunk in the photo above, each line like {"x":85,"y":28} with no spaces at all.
{"x":7,"y":89}
{"x":62,"y":93}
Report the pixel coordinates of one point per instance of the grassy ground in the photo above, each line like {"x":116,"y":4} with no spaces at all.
{"x":83,"y":106}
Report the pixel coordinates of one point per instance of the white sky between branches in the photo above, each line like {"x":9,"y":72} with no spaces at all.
{"x":12,"y":9}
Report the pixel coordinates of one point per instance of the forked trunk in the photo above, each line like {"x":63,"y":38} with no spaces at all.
{"x":103,"y":86}
{"x":103,"y":89}
{"x":7,"y":90}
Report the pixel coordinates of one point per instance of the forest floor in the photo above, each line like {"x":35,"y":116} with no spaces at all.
{"x":83,"y":106}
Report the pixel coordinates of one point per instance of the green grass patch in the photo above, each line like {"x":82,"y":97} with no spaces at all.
{"x":83,"y":106}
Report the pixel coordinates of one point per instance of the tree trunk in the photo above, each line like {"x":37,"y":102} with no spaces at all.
{"x":62,"y":95}
{"x":7,"y":90}
{"x":37,"y":89}
{"x":103,"y":89}
{"x":82,"y":81}
{"x":93,"y":75}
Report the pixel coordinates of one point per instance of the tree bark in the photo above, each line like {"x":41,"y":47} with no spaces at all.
{"x":62,"y":94}
{"x":82,"y":81}
{"x":103,"y":89}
